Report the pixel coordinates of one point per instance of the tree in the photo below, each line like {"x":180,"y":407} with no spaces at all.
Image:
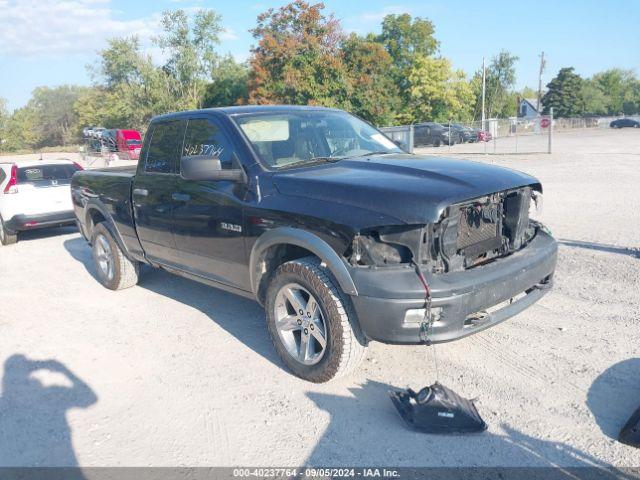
{"x":21,"y":130}
{"x":4,"y":118}
{"x":374,"y":96}
{"x":621,"y":89}
{"x":405,"y":38}
{"x":565,"y":94}
{"x":190,"y":45}
{"x":436,"y":92}
{"x":500,"y":77}
{"x":229,"y":85}
{"x":594,"y":99}
{"x":55,"y":118}
{"x":298,"y":58}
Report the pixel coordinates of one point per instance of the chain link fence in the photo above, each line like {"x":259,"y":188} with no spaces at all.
{"x":494,"y":136}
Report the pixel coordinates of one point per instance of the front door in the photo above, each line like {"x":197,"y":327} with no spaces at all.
{"x":208,"y":220}
{"x":152,"y":190}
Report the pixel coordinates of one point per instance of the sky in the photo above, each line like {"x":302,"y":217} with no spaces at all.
{"x":49,"y":42}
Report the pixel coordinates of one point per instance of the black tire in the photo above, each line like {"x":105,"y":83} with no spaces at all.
{"x":436,"y":143}
{"x":124,"y":273}
{"x":345,"y":345}
{"x":7,"y":237}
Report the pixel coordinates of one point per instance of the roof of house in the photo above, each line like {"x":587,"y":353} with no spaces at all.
{"x":533,"y":102}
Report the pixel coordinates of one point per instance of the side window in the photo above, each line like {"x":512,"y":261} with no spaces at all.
{"x":164,"y":147}
{"x":205,"y":137}
{"x":3,"y":176}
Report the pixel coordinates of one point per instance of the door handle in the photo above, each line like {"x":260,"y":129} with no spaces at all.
{"x":181,"y":197}
{"x":143,"y":192}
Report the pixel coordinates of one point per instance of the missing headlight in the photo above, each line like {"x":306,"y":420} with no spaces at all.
{"x":385,"y":246}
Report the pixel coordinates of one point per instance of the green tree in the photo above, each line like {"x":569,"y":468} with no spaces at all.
{"x":4,"y":118}
{"x":229,"y":84}
{"x":621,"y":89}
{"x":406,"y":38}
{"x":374,"y":96}
{"x":56,"y":119}
{"x":595,"y":101}
{"x":298,"y":59}
{"x":565,"y":94}
{"x":437,"y":92}
{"x":191,"y":47}
{"x":500,"y":78}
{"x":21,"y":130}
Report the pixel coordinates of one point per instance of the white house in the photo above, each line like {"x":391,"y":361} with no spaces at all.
{"x":527,"y":108}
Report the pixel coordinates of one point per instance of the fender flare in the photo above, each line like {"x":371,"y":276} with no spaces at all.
{"x":109,"y":224}
{"x":304,"y":239}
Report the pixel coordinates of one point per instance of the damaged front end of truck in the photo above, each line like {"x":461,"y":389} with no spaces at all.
{"x":473,"y":267}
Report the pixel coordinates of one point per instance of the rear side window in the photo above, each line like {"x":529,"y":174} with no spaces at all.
{"x":165,"y":146}
{"x":45,"y":174}
{"x":205,"y":137}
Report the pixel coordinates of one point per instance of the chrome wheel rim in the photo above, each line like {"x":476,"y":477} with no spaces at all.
{"x":300,"y":324}
{"x":104,"y":256}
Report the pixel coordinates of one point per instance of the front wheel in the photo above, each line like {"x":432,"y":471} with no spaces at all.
{"x":311,"y":323}
{"x":115,"y":271}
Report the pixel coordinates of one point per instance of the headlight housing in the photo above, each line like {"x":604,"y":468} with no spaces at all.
{"x":536,"y":205}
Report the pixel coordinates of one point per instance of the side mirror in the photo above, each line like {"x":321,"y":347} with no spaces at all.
{"x":206,"y":167}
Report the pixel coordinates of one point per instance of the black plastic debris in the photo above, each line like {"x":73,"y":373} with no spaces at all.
{"x":437,"y":409}
{"x":630,"y":433}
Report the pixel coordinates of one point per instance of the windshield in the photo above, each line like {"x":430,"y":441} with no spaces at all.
{"x":305,"y":137}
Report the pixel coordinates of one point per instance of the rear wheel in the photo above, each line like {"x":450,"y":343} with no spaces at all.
{"x":115,"y":271}
{"x":311,"y":323}
{"x":7,"y":237}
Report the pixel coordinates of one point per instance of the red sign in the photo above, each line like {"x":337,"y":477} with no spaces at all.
{"x":545,"y":122}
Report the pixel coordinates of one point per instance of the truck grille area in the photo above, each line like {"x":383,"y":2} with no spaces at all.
{"x":481,"y":230}
{"x":477,"y":224}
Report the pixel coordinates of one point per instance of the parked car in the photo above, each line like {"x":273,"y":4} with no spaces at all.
{"x":34,"y":194}
{"x":625,"y":122}
{"x":483,"y":135}
{"x":342,"y":236}
{"x":430,"y":133}
{"x":459,"y":133}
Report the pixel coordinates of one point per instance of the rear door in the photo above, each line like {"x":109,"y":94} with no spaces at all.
{"x":208,"y":215}
{"x":45,"y":188}
{"x":152,"y":190}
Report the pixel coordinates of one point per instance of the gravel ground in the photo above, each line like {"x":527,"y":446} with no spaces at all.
{"x":174,"y":373}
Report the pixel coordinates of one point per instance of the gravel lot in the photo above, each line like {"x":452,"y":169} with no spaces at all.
{"x":174,"y":373}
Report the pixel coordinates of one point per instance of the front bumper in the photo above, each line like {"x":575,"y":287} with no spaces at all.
{"x":385,"y":295}
{"x":32,"y":222}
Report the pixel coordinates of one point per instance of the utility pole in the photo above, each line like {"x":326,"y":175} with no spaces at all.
{"x":542,"y":65}
{"x":483,"y":91}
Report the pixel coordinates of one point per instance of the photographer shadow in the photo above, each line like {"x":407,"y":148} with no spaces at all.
{"x":34,"y":431}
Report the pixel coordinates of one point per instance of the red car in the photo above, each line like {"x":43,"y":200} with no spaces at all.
{"x":484,"y":136}
{"x":128,"y":143}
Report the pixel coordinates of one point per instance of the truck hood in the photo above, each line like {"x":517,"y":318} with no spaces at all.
{"x":413,"y":189}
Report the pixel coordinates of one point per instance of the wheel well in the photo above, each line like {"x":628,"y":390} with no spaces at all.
{"x":272,"y":258}
{"x":94,"y":217}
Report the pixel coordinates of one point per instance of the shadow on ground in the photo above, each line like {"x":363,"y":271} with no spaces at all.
{"x":40,"y":233}
{"x":241,"y":317}
{"x":615,"y":395}
{"x":365,"y":429}
{"x":36,"y":395}
{"x":601,"y":247}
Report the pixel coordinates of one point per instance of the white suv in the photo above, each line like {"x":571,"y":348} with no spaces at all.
{"x":34,"y":194}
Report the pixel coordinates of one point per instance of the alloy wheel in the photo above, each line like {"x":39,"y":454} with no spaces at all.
{"x":300,"y":324}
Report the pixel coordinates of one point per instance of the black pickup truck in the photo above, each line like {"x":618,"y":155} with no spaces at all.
{"x":343,"y":237}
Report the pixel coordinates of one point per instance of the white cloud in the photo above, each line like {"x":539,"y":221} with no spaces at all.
{"x":228,"y":34}
{"x":37,"y":28}
{"x":380,"y":14}
{"x":370,"y":21}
